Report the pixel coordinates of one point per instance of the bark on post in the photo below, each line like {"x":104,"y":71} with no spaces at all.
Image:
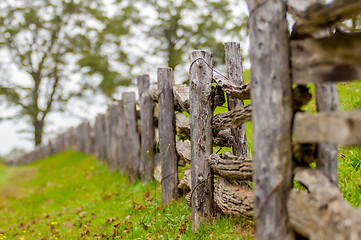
{"x":166,"y":126}
{"x":147,"y":146}
{"x":132,"y":136}
{"x":201,"y":136}
{"x":271,"y":116}
{"x":234,"y":74}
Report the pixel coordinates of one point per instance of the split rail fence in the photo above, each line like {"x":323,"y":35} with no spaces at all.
{"x":176,"y":124}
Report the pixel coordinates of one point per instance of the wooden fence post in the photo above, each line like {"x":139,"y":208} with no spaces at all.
{"x":100,"y":139}
{"x":327,"y":153}
{"x":122,"y":158}
{"x":201,"y":136}
{"x":132,"y":136}
{"x":166,"y":126}
{"x":235,"y":75}
{"x":112,"y":137}
{"x":147,"y":146}
{"x":271,"y":116}
{"x":83,"y":137}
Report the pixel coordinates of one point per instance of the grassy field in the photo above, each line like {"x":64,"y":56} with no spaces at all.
{"x":73,"y":196}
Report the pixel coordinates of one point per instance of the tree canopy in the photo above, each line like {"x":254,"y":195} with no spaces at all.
{"x":52,"y":41}
{"x":74,"y":48}
{"x":184,"y":25}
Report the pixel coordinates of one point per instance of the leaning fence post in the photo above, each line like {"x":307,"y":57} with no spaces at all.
{"x":166,"y":126}
{"x":201,"y":136}
{"x":271,"y":116}
{"x":132,"y":136}
{"x":147,"y":146}
{"x":234,"y":74}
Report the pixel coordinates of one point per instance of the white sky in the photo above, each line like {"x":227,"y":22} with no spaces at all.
{"x":10,"y":136}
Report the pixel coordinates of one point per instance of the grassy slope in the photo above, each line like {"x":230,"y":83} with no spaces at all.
{"x":72,"y":196}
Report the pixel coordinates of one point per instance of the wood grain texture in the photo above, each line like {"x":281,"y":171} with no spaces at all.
{"x":235,"y":75}
{"x":233,"y":200}
{"x":201,"y":136}
{"x":329,"y":59}
{"x":232,"y":119}
{"x":231,"y":167}
{"x":312,"y":18}
{"x":181,"y":97}
{"x":166,"y":126}
{"x":242,"y":92}
{"x":184,"y":150}
{"x":271,"y":117}
{"x":321,"y":212}
{"x":337,"y":127}
{"x":132,"y":136}
{"x":147,"y":146}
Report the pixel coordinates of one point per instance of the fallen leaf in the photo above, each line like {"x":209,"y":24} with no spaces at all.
{"x":144,"y":226}
{"x":77,"y":210}
{"x":147,"y":194}
{"x":68,"y":224}
{"x":140,"y":207}
{"x":110,"y":220}
{"x":181,"y":229}
{"x":82,"y":214}
{"x":107,"y":197}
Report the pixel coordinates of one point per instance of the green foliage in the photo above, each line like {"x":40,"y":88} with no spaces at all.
{"x":51,"y":41}
{"x":72,"y":196}
{"x":182,"y":26}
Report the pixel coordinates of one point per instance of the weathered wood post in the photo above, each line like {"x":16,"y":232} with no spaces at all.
{"x":112,"y":137}
{"x":83,"y":137}
{"x":132,"y":136}
{"x":327,"y":100}
{"x":327,"y":153}
{"x":271,"y":116}
{"x":235,"y":75}
{"x":100,"y":139}
{"x":121,"y":164}
{"x":201,"y":136}
{"x":147,"y":146}
{"x":166,"y":126}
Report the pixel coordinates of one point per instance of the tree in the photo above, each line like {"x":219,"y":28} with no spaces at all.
{"x":66,"y":49}
{"x":183,"y":25}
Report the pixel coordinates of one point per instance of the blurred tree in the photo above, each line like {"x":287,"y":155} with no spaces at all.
{"x":184,"y":25}
{"x":65,"y":47}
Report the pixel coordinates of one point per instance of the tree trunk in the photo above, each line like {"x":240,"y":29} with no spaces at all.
{"x":38,"y":131}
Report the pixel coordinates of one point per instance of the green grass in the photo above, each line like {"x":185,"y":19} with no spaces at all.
{"x":72,"y":196}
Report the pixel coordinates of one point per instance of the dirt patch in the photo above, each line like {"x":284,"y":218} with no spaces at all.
{"x":14,"y":185}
